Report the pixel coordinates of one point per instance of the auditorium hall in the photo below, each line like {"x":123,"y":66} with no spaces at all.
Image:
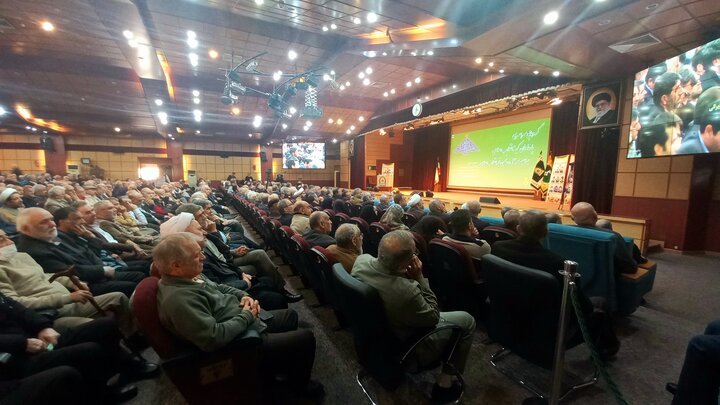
{"x":360,"y":202}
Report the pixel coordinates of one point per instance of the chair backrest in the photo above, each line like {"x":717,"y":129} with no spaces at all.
{"x":409,"y":220}
{"x":493,"y":233}
{"x":322,"y":261}
{"x":593,"y":250}
{"x":375,"y":345}
{"x":451,"y":276}
{"x":524,"y":309}
{"x":331,"y":213}
{"x":362,"y":224}
{"x":497,"y":221}
{"x":376,"y":232}
{"x":421,"y":247}
{"x":145,"y":310}
{"x":300,"y":256}
{"x":353,"y":209}
{"x":339,"y":219}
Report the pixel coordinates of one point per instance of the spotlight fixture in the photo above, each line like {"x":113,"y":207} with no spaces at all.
{"x":198,"y":115}
{"x":348,"y":132}
{"x":196,"y":93}
{"x":339,"y":121}
{"x":257,"y":121}
{"x":196,"y":100}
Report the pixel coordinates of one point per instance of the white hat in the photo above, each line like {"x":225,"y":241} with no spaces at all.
{"x":414,"y":200}
{"x":6,"y":194}
{"x":178,"y":223}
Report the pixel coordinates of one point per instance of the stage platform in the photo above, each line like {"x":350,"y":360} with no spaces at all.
{"x":637,"y":228}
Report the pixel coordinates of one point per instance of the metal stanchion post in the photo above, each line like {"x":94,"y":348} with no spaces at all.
{"x":568,"y":273}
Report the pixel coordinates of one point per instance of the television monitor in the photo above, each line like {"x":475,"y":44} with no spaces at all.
{"x":303,"y":155}
{"x":676,"y":105}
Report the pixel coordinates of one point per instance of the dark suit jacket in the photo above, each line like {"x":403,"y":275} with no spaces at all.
{"x":58,"y":257}
{"x":442,"y":215}
{"x":532,"y":254}
{"x":480,"y":224}
{"x":623,"y":260}
{"x":286,"y":219}
{"x":315,"y":238}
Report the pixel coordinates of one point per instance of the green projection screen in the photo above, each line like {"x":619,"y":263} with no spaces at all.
{"x":500,"y":153}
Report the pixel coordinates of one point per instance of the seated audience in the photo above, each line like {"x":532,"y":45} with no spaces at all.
{"x":415,"y":206}
{"x":284,"y":208}
{"x":527,"y":250}
{"x":553,"y":218}
{"x":219,"y":269}
{"x":320,"y":227}
{"x":585,"y":216}
{"x":40,"y":239}
{"x":475,"y":208}
{"x":508,"y":230}
{"x":90,"y":228}
{"x":212,"y":316}
{"x":12,"y":204}
{"x":465,"y":233}
{"x":105,"y":212}
{"x":412,"y":307}
{"x":437,"y":209}
{"x":699,"y":381}
{"x":301,"y":219}
{"x":349,"y":245}
{"x":430,"y":227}
{"x":56,"y":198}
{"x":392,"y":218}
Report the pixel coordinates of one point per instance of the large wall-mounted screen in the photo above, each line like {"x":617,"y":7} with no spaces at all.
{"x":676,"y":105}
{"x":499,"y":153}
{"x":303,"y":155}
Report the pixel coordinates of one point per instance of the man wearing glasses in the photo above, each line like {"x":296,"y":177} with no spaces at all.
{"x":412,"y":307}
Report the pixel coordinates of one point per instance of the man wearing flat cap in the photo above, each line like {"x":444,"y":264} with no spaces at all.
{"x":603,"y":113}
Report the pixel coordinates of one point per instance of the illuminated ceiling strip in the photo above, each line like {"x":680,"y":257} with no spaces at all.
{"x":167,"y":72}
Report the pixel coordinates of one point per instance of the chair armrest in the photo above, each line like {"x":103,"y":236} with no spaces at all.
{"x":247,"y":341}
{"x":444,"y":326}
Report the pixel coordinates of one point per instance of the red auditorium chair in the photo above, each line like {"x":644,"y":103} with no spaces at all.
{"x":421,"y":247}
{"x":202,"y":378}
{"x":284,"y":234}
{"x":300,"y":254}
{"x":409,"y":220}
{"x":323,"y":260}
{"x":492,"y":234}
{"x":339,"y":219}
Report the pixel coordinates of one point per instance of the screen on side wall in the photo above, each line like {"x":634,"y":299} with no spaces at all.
{"x":499,"y":153}
{"x":303,"y":155}
{"x":676,"y":105}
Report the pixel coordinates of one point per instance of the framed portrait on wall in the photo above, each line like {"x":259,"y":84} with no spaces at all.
{"x":600,"y":105}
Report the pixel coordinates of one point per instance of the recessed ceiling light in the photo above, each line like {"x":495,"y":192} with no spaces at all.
{"x":330,"y":121}
{"x":291,"y":110}
{"x":352,"y":127}
{"x":305,"y":128}
{"x":117,"y":129}
{"x":326,"y":77}
{"x":333,"y":26}
{"x":454,"y":86}
{"x":368,"y":70}
{"x":192,"y":43}
{"x":486,"y":70}
{"x":356,"y":20}
{"x":444,"y":90}
{"x":191,"y":35}
{"x":535,"y":72}
{"x":408,"y":84}
{"x":651,"y":6}
{"x":250,"y":135}
{"x":334,"y":140}
{"x":551,"y":17}
{"x":213,"y":54}
{"x":196,"y":93}
{"x":417,"y":80}
{"x":128,"y":34}
{"x":384,"y":54}
{"x":132,"y":43}
{"x":361,"y":118}
{"x":257,"y":121}
{"x":502,"y":71}
{"x":427,"y":97}
{"x":325,"y":28}
{"x":277,"y":75}
{"x":47,"y":26}
{"x":478,"y":60}
{"x":193,"y":58}
{"x":413,"y":53}
{"x":197,"y":131}
{"x":385,"y":94}
{"x":556,"y":73}
{"x":162,"y":115}
{"x":198,"y":115}
{"x":392,"y":91}
{"x":339,"y":121}
{"x":284,"y":125}
{"x":430,"y":53}
{"x":292,"y":55}
{"x":308,"y":123}
{"x":491,"y":64}
{"x":196,"y":100}
{"x":366,"y":81}
{"x":2,"y":111}
{"x":235,"y":110}
{"x":34,"y":129}
{"x":259,"y":2}
{"x":347,"y":83}
{"x":348,"y":132}
{"x":27,"y":127}
{"x":158,"y":102}
{"x":361,"y":75}
{"x":342,"y":87}
{"x":371,"y":17}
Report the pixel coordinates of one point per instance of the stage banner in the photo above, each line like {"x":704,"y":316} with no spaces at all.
{"x":387,"y":174}
{"x":556,"y":188}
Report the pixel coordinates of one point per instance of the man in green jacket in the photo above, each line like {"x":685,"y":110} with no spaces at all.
{"x":211,"y":316}
{"x":412,"y":307}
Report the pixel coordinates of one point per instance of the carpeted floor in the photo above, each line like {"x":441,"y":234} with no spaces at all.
{"x":654,"y":338}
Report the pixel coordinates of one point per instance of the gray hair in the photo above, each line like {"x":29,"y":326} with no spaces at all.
{"x":435,"y":205}
{"x":315,"y":218}
{"x":474,"y":207}
{"x":56,"y":191}
{"x":604,"y":224}
{"x":190,"y":208}
{"x":395,"y":249}
{"x":170,"y":249}
{"x":202,"y":202}
{"x":345,"y":234}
